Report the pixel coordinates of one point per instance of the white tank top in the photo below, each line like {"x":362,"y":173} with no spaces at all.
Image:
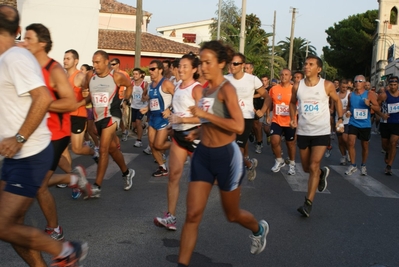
{"x":344,"y":102}
{"x":182,"y":99}
{"x":313,"y":110}
{"x":137,"y":93}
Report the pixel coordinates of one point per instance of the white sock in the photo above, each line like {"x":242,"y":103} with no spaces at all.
{"x":67,"y":249}
{"x":280,"y":160}
{"x":73,"y":180}
{"x":292,"y":162}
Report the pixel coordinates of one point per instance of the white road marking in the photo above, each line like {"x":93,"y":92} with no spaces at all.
{"x":367,"y":184}
{"x":299,"y":181}
{"x":112,"y":169}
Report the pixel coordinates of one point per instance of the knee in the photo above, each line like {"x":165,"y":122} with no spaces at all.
{"x":232,"y":217}
{"x":193,"y":216}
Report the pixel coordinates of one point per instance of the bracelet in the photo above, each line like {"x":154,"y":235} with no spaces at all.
{"x":341,"y":118}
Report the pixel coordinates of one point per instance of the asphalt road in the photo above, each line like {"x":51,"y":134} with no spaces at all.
{"x":354,"y":223}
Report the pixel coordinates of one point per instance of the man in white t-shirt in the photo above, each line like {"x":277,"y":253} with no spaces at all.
{"x":25,"y":144}
{"x":246,"y":85}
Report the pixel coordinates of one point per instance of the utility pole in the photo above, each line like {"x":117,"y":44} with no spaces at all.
{"x":292,"y":38}
{"x":272,"y":56}
{"x":139,"y":21}
{"x":219,"y":17}
{"x":242,"y":32}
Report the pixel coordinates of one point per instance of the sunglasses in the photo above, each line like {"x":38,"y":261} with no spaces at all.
{"x":152,"y":69}
{"x":236,"y":63}
{"x":358,"y":81}
{"x":113,"y":64}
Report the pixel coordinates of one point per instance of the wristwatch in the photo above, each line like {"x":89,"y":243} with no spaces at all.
{"x":20,"y":138}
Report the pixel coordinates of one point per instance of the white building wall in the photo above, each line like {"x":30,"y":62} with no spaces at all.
{"x":202,"y":33}
{"x":73,"y":24}
{"x":120,"y":22}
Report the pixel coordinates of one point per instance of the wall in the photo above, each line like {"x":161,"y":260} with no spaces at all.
{"x":119,"y":22}
{"x":73,"y":24}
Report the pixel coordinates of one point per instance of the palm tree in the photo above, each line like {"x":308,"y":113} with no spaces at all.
{"x":298,"y":53}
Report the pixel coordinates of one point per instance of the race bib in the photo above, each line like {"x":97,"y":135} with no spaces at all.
{"x":100,"y":100}
{"x":206,"y":104}
{"x":282,"y":110}
{"x":137,"y":96}
{"x":154,"y":104}
{"x":310,"y":108}
{"x":360,"y":113}
{"x":393,"y":108}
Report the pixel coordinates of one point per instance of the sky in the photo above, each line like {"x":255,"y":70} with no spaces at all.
{"x":312,"y":19}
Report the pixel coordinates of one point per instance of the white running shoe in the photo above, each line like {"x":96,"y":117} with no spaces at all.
{"x":138,"y":144}
{"x":277,"y":166}
{"x":343,"y":160}
{"x":252,"y":170}
{"x":291,"y":170}
{"x":363,"y":170}
{"x":351,"y":169}
{"x":129,"y":179}
{"x":259,"y":242}
{"x":147,"y":150}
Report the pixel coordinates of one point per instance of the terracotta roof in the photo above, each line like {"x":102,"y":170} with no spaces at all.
{"x":9,"y":2}
{"x":115,"y":7}
{"x":125,"y":40}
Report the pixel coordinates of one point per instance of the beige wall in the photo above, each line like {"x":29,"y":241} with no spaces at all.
{"x":110,"y":21}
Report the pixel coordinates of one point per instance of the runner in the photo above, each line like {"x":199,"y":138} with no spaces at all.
{"x":104,"y":86}
{"x":218,"y":151}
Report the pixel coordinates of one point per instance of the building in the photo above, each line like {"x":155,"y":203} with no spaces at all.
{"x":89,"y":25}
{"x":385,"y":40}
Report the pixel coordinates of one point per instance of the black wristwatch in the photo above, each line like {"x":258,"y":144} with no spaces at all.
{"x":341,"y":118}
{"x":20,"y":138}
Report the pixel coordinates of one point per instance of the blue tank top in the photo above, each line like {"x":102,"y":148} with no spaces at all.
{"x":393,"y":108}
{"x":360,"y":117}
{"x":157,"y":104}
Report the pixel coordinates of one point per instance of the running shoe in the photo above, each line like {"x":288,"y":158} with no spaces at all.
{"x":251,"y":137}
{"x":252,"y":170}
{"x":363,"y":170}
{"x":125,"y":135}
{"x":79,"y":253}
{"x":76,"y":193}
{"x":147,"y":150}
{"x":388,"y":170}
{"x":96,"y":155}
{"x":82,"y":184}
{"x":343,"y":160}
{"x":129,"y":179}
{"x":160,"y":172}
{"x":54,"y":234}
{"x":277,"y":166}
{"x":306,"y":208}
{"x":259,"y":242}
{"x":168,"y":221}
{"x":324,"y":172}
{"x":258,"y":149}
{"x":291,"y":170}
{"x":328,"y":152}
{"x":61,"y":185}
{"x":95,"y":192}
{"x":268,"y":140}
{"x":138,"y":144}
{"x":351,"y":169}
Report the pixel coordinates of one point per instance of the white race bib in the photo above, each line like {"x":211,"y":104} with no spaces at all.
{"x":206,"y":104}
{"x":393,"y":108}
{"x":154,"y":104}
{"x":100,"y":100}
{"x":282,"y":110}
{"x":360,"y":113}
{"x":310,"y":108}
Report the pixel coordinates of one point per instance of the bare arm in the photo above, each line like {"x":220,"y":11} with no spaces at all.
{"x":293,"y":108}
{"x":335,"y":101}
{"x":59,"y":81}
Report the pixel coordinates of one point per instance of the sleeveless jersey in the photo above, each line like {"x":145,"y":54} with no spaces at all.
{"x":182,"y":99}
{"x":59,"y":124}
{"x":104,"y":96}
{"x":121,"y":92}
{"x":360,"y":117}
{"x":393,"y":108}
{"x":212,"y":105}
{"x":313,"y":109}
{"x":344,"y":102}
{"x":138,"y":90}
{"x":81,"y":111}
{"x":159,"y":101}
{"x":281,"y":97}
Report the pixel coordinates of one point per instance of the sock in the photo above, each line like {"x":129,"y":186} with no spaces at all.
{"x":139,"y":140}
{"x":181,"y":265}
{"x":280,"y":160}
{"x":99,"y":186}
{"x":67,"y":249}
{"x":259,"y":143}
{"x":354,"y":165}
{"x":260,"y":231}
{"x":163,"y":166}
{"x":292,"y":162}
{"x":57,"y":229}
{"x":125,"y":173}
{"x":73,"y":180}
{"x":363,"y":164}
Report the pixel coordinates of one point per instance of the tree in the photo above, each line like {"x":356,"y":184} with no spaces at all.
{"x":351,"y":44}
{"x":298,"y":52}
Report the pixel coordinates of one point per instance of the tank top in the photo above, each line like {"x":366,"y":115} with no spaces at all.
{"x":81,"y":111}
{"x":159,"y":101}
{"x":104,"y":96}
{"x":384,"y":109}
{"x":344,"y":102}
{"x":281,"y":97}
{"x":393,"y":108}
{"x":59,"y":124}
{"x":212,"y":105}
{"x":313,"y":109}
{"x":138,"y":90}
{"x":181,"y":101}
{"x":360,"y":113}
